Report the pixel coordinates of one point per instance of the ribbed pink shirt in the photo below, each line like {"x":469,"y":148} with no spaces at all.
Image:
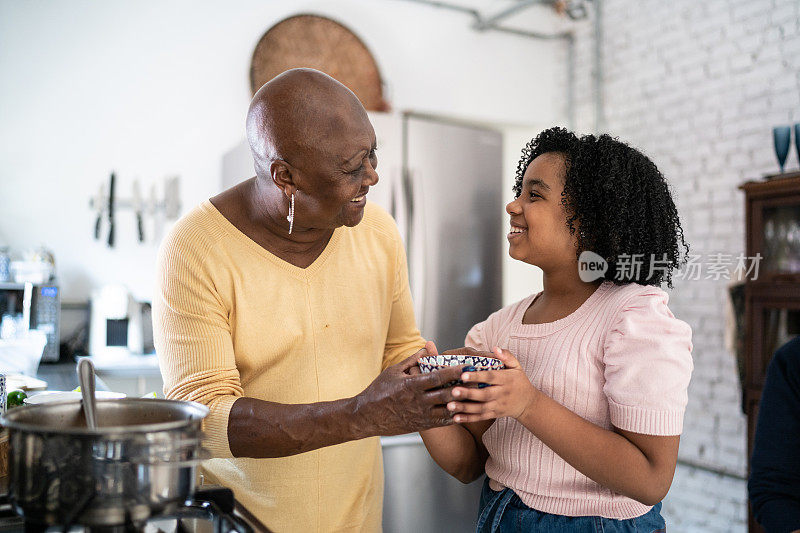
{"x":621,"y":359}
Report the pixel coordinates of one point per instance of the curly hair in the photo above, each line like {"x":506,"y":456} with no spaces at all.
{"x":620,"y":201}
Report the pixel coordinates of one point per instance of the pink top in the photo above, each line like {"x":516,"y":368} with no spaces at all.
{"x":621,"y":359}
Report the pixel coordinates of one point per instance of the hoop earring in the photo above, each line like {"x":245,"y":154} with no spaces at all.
{"x":290,"y":218}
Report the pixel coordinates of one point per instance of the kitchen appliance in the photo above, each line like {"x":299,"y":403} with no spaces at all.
{"x":419,"y":496}
{"x":119,"y":325}
{"x":39,"y":307}
{"x":141,"y":460}
{"x":441,"y":180}
{"x":213,"y":509}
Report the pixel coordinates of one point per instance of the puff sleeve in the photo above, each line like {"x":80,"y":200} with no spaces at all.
{"x":648,"y":364}
{"x":476,"y":338}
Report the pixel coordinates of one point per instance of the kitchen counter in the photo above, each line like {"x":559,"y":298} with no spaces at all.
{"x":134,"y":375}
{"x":63,"y":376}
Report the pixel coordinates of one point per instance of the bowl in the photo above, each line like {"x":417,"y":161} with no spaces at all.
{"x":36,"y":272}
{"x":66,"y":396}
{"x":21,"y":354}
{"x":429,"y":363}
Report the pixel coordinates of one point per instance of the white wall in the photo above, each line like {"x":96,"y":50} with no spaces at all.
{"x":151,"y":89}
{"x":699,"y":86}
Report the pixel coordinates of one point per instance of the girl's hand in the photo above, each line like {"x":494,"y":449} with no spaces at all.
{"x":511,"y":393}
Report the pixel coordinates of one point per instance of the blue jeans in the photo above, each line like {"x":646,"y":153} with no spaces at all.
{"x":504,"y":512}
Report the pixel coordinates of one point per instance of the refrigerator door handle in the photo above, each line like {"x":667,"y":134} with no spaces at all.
{"x":408,"y":202}
{"x":415,"y":244}
{"x":396,"y":193}
{"x":397,"y":204}
{"x":393,"y":202}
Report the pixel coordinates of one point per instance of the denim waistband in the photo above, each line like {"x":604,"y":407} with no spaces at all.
{"x":499,"y":501}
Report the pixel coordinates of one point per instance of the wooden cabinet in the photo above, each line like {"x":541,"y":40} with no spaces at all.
{"x":772,"y":299}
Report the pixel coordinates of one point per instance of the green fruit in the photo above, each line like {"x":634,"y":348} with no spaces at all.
{"x":15,"y":398}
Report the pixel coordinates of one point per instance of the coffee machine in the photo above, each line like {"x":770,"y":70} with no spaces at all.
{"x":119,"y":324}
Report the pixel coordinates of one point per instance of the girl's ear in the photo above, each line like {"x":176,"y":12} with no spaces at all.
{"x":578,"y":237}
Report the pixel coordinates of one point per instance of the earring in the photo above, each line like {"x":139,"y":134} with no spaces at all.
{"x":290,"y":218}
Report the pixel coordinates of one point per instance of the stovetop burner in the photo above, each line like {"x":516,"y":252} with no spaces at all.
{"x":212,"y":510}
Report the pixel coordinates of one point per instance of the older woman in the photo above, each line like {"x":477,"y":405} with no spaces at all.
{"x":283,"y":305}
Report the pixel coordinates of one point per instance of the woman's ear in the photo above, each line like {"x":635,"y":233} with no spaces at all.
{"x":282,"y":175}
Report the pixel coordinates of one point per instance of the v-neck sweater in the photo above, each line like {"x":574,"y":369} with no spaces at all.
{"x":621,"y":360}
{"x":231,"y":319}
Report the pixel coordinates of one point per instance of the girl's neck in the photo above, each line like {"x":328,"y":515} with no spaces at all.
{"x":565,"y":283}
{"x":559,"y":298}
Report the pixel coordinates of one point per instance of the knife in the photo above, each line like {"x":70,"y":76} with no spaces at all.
{"x":137,"y":207}
{"x":111,"y":211}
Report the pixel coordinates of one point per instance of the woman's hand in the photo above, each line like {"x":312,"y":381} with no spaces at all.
{"x":511,"y":393}
{"x":401,"y":400}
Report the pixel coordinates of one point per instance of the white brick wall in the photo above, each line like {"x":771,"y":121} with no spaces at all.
{"x":688,"y":509}
{"x":698,"y":86}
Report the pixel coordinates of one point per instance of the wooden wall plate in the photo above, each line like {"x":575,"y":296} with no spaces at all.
{"x":323,"y":44}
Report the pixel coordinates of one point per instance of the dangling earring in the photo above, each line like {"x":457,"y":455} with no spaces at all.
{"x":290,"y":218}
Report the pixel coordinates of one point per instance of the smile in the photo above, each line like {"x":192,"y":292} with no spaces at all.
{"x":358,"y":199}
{"x":516,"y":231}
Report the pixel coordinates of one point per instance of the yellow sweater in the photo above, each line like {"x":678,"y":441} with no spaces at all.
{"x":233,"y":320}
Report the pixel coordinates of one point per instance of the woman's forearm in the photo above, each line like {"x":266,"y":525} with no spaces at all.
{"x":395,"y":403}
{"x":610,"y":458}
{"x":266,"y":429}
{"x":455,"y":450}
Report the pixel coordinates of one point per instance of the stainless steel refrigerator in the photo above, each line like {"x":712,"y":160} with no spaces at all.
{"x":441,"y":181}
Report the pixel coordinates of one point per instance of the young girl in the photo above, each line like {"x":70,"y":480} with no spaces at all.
{"x":581,"y":429}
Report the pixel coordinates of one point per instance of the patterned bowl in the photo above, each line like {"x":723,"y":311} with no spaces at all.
{"x":437,"y":362}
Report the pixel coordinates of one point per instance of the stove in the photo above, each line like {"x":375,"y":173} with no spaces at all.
{"x":212,"y":510}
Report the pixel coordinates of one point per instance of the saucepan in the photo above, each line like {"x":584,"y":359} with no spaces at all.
{"x":141,"y":460}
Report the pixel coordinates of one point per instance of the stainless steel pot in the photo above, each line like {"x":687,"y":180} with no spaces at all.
{"x":140,"y":461}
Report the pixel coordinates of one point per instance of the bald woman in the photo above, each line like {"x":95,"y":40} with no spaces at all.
{"x":283,"y":305}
